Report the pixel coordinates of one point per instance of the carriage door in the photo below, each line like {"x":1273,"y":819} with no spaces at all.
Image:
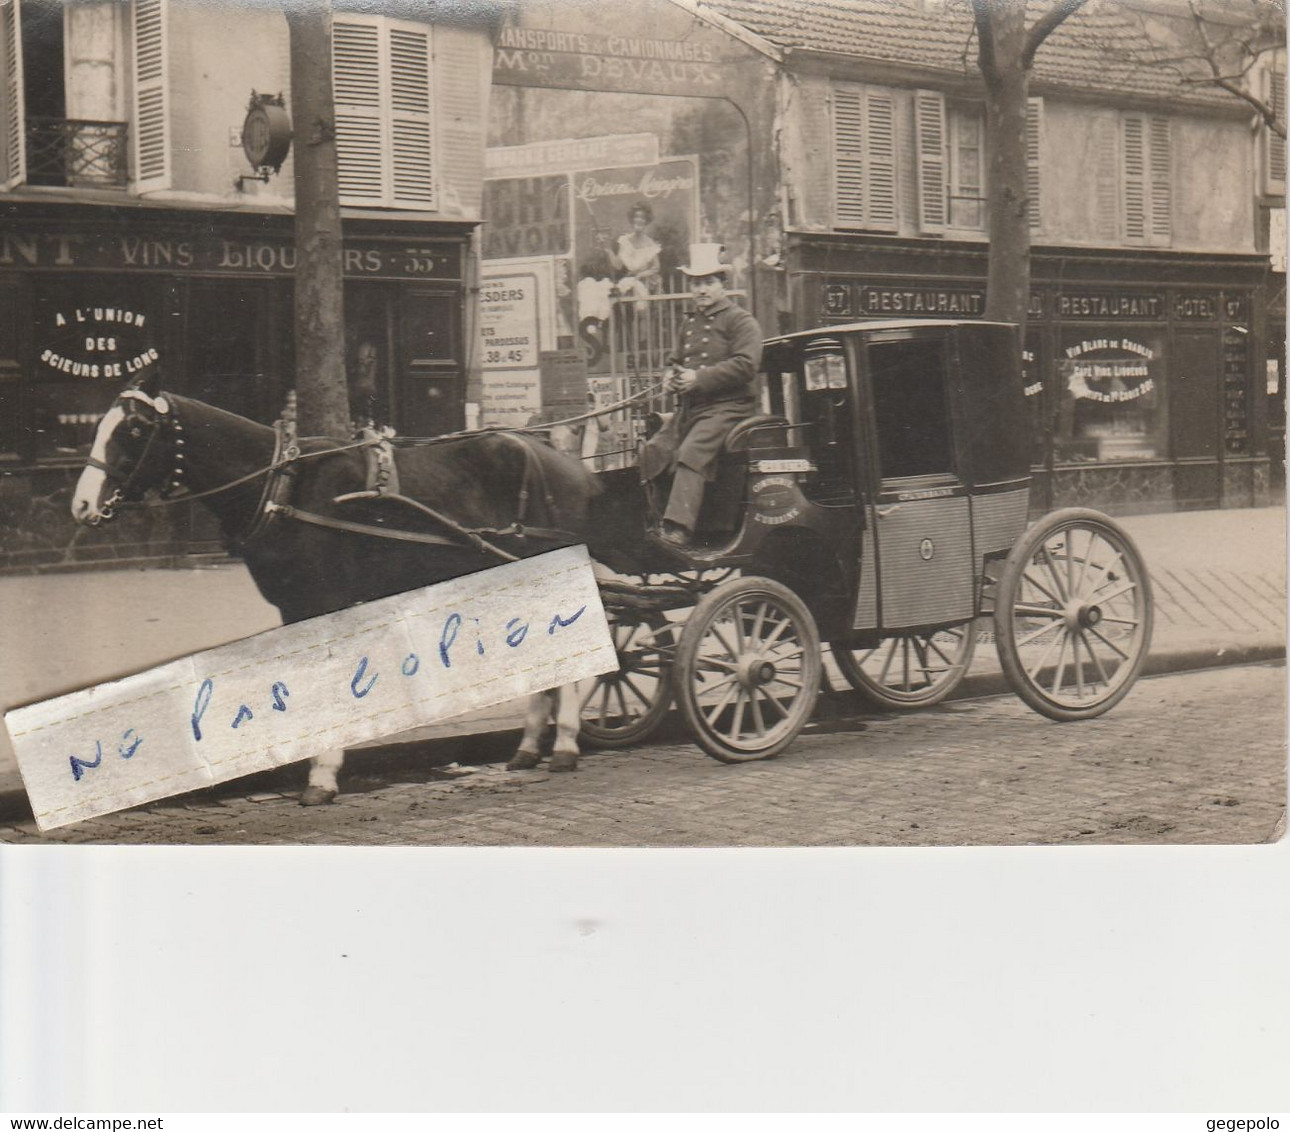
{"x":919,"y":514}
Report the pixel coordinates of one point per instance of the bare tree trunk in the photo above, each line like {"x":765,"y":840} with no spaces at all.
{"x":319,"y":286}
{"x":1007,"y":82}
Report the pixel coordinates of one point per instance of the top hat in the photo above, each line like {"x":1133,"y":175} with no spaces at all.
{"x":705,"y":259}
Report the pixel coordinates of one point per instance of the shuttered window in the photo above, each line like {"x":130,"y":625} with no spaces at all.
{"x":1148,"y":179}
{"x":149,"y":42}
{"x":864,"y":158}
{"x":384,"y":131}
{"x":1034,"y":161}
{"x":1274,"y":145}
{"x":13,"y":143}
{"x":929,"y":122}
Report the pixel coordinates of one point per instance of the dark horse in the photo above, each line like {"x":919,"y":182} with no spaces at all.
{"x":483,"y":481}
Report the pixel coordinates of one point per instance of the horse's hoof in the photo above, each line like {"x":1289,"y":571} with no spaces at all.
{"x":524,"y":760}
{"x":317,"y":796}
{"x":564,"y":761}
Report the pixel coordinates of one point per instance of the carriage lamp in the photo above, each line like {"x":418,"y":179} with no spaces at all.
{"x":266,"y":137}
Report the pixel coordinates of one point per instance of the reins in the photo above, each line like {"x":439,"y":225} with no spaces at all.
{"x":287,"y":453}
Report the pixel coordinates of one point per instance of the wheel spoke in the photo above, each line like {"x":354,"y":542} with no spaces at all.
{"x":1037,"y":633}
{"x":754,"y":709}
{"x":760,"y":621}
{"x":785,"y":623}
{"x":1053,"y":574}
{"x":783,"y":711}
{"x":1097,"y":660}
{"x":622,"y":703}
{"x":886,"y":664}
{"x":635,"y":691}
{"x":1129,"y":585}
{"x":711,"y":716}
{"x":734,"y":654}
{"x":1023,"y":609}
{"x":710,"y":661}
{"x":1032,"y":673}
{"x":604,"y":703}
{"x":1061,"y":667}
{"x":1027,"y":576}
{"x":1109,"y":644}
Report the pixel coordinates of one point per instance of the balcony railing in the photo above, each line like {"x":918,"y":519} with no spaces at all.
{"x":75,"y":151}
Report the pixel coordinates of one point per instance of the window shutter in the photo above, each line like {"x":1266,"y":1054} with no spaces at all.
{"x":1274,"y":145}
{"x":1106,"y":179}
{"x":880,"y":129}
{"x":1034,"y":160}
{"x":1162,"y":181}
{"x":929,"y":120}
{"x":848,"y":157}
{"x":411,"y":140}
{"x":360,"y":118}
{"x":13,"y":146}
{"x":1135,"y":181}
{"x":151,"y":97}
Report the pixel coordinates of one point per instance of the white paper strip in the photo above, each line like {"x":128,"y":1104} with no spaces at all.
{"x":295,"y":692}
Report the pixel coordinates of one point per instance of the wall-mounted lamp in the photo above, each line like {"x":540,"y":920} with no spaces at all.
{"x":266,"y":137}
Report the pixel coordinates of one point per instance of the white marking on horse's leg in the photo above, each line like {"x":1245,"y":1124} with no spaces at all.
{"x":87,"y":499}
{"x":568,"y":721}
{"x":322,"y":778}
{"x":536,"y":714}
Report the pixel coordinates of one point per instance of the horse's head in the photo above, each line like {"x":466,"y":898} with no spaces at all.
{"x":138,"y":447}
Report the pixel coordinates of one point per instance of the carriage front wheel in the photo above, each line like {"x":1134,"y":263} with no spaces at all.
{"x":626,"y":706}
{"x":909,"y":670}
{"x":1073,"y":615}
{"x":747,"y":669}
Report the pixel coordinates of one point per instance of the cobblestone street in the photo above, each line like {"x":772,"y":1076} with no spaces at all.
{"x":1192,"y":758}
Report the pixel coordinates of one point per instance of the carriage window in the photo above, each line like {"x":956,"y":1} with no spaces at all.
{"x":911,"y":412}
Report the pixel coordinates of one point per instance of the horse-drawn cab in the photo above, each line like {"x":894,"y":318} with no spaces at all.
{"x":880,"y":504}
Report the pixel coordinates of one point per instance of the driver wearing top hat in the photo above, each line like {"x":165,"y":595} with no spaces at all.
{"x":714,"y":371}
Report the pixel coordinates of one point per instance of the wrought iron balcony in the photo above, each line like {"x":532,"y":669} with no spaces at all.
{"x":75,"y":151}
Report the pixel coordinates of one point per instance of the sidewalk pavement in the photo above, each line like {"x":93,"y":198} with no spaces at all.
{"x":1219,"y":580}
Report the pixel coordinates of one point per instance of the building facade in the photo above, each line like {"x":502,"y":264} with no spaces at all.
{"x":137,"y":237}
{"x":1149,"y":332}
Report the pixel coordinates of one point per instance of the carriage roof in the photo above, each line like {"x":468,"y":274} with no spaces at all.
{"x":882,"y":324}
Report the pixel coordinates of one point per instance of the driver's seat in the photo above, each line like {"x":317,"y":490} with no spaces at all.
{"x":723,"y":502}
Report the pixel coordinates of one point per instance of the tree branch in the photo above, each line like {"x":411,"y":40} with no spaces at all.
{"x":985,"y":53}
{"x":1049,"y":22}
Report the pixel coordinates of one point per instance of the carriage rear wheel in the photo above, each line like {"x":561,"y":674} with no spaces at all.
{"x":1073,"y":615}
{"x":910,"y":670}
{"x":748,"y":669}
{"x":626,"y":706}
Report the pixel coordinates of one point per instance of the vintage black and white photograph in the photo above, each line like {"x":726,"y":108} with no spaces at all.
{"x":913,"y":372}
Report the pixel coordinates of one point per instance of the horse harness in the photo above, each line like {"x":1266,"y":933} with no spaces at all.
{"x":382,"y":486}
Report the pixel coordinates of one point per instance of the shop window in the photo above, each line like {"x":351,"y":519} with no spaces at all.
{"x":91,"y":341}
{"x":1109,"y":398}
{"x":384,"y":134}
{"x":64,"y":92}
{"x":225,"y":350}
{"x":864,"y":157}
{"x":911,"y":412}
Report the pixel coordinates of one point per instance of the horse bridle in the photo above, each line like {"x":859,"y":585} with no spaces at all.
{"x":126,"y":487}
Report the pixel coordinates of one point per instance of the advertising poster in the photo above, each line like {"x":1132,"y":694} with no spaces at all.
{"x":632,"y":227}
{"x":514,"y":326}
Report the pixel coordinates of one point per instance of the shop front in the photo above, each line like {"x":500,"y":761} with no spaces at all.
{"x":1139,"y":367}
{"x":93,"y":300}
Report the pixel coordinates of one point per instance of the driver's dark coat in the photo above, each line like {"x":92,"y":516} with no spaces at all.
{"x":723,"y":346}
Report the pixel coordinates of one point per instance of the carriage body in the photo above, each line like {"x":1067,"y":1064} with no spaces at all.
{"x":880,"y":505}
